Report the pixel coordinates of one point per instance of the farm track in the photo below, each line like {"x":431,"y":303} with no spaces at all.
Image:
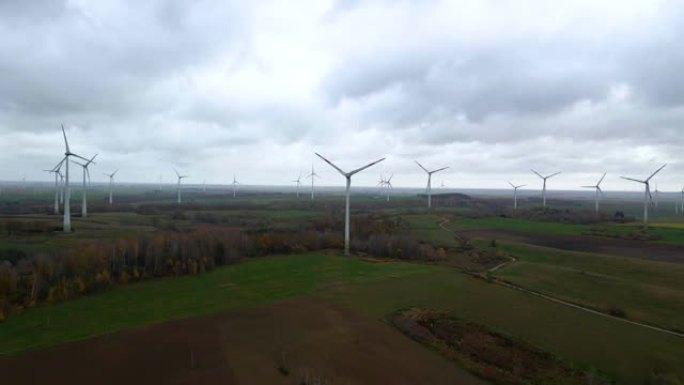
{"x":555,"y":299}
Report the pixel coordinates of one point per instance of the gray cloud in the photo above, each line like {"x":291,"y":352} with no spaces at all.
{"x":213,"y":87}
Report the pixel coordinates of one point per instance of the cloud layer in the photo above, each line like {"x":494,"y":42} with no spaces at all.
{"x":214,"y":88}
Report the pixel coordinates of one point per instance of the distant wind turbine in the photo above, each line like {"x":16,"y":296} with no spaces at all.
{"x":235,"y":184}
{"x":388,"y":186}
{"x":348,"y":176}
{"x":67,"y":192}
{"x":312,"y":175}
{"x":544,"y":178}
{"x":298,"y":182}
{"x":682,"y":211}
{"x":178,"y":189}
{"x":58,"y":189}
{"x":647,"y":190}
{"x":111,"y":186}
{"x":598,"y":191}
{"x":86,"y":172}
{"x":515,"y":194}
{"x":429,"y":182}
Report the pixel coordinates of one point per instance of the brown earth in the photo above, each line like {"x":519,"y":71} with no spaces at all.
{"x":488,"y":354}
{"x":281,"y":343}
{"x":588,"y":244}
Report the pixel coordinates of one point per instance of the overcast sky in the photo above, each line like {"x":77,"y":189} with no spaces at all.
{"x":489,"y":88}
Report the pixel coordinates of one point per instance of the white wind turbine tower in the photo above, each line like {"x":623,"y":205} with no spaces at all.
{"x":429,"y":182}
{"x":235,"y":183}
{"x":86,"y":172}
{"x":515,"y":194}
{"x":61,"y":186}
{"x":298,"y":182}
{"x":111,"y":185}
{"x":682,"y":210}
{"x":67,"y":192}
{"x":348,"y":176}
{"x":58,"y":190}
{"x":178,"y":189}
{"x":312,"y":176}
{"x":647,"y":190}
{"x":388,"y":185}
{"x":544,"y":178}
{"x":598,"y":191}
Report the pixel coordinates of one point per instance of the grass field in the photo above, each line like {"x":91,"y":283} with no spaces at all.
{"x":625,"y":352}
{"x":258,"y":281}
{"x":648,"y":291}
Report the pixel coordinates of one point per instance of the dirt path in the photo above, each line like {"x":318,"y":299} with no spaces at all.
{"x":280,"y":343}
{"x":558,"y":300}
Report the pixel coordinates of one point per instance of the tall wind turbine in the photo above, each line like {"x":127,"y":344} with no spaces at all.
{"x":312,"y":175}
{"x":84,"y":204}
{"x":647,"y":190}
{"x":515,"y":194}
{"x":67,"y":192}
{"x":388,"y":186}
{"x":429,"y":182}
{"x":544,"y":178}
{"x":235,"y":183}
{"x":298,"y":182}
{"x":598,"y":191}
{"x":348,"y":176}
{"x":58,"y":190}
{"x":180,"y":178}
{"x":111,"y":185}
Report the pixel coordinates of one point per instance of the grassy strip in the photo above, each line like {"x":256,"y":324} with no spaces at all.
{"x":258,"y":281}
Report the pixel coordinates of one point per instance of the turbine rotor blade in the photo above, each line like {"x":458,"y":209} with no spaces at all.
{"x":331,"y":164}
{"x":656,"y":171}
{"x":439,"y":169}
{"x":552,"y":175}
{"x":66,"y":142}
{"x":538,"y":174}
{"x":421,"y":166}
{"x":365,"y":167}
{"x":633,"y":180}
{"x":601,"y":180}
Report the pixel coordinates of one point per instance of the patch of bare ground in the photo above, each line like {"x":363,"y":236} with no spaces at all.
{"x":297,"y":341}
{"x":487,"y":354}
{"x":589,"y":244}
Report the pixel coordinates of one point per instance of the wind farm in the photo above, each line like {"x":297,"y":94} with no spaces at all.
{"x":244,"y":193}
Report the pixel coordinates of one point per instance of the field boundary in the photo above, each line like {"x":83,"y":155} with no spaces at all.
{"x":556,"y":299}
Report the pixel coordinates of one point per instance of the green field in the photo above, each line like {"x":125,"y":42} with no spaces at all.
{"x":258,"y":281}
{"x":625,"y":352}
{"x":650,"y":292}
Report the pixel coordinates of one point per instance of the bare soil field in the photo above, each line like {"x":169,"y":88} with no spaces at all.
{"x":282,"y":343}
{"x":609,"y":246}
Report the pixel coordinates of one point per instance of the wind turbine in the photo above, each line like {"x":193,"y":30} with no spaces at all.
{"x":298,"y":181}
{"x":544,"y":178}
{"x":180,"y":178}
{"x":515,"y":194}
{"x":67,"y":192}
{"x":429,"y":182}
{"x":647,"y":190}
{"x":235,"y":183}
{"x":84,"y":205}
{"x":58,"y":190}
{"x":682,"y":210}
{"x":312,"y":176}
{"x":598,"y":190}
{"x":388,"y":185}
{"x":657,"y":196}
{"x":111,"y":185}
{"x":348,"y":176}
